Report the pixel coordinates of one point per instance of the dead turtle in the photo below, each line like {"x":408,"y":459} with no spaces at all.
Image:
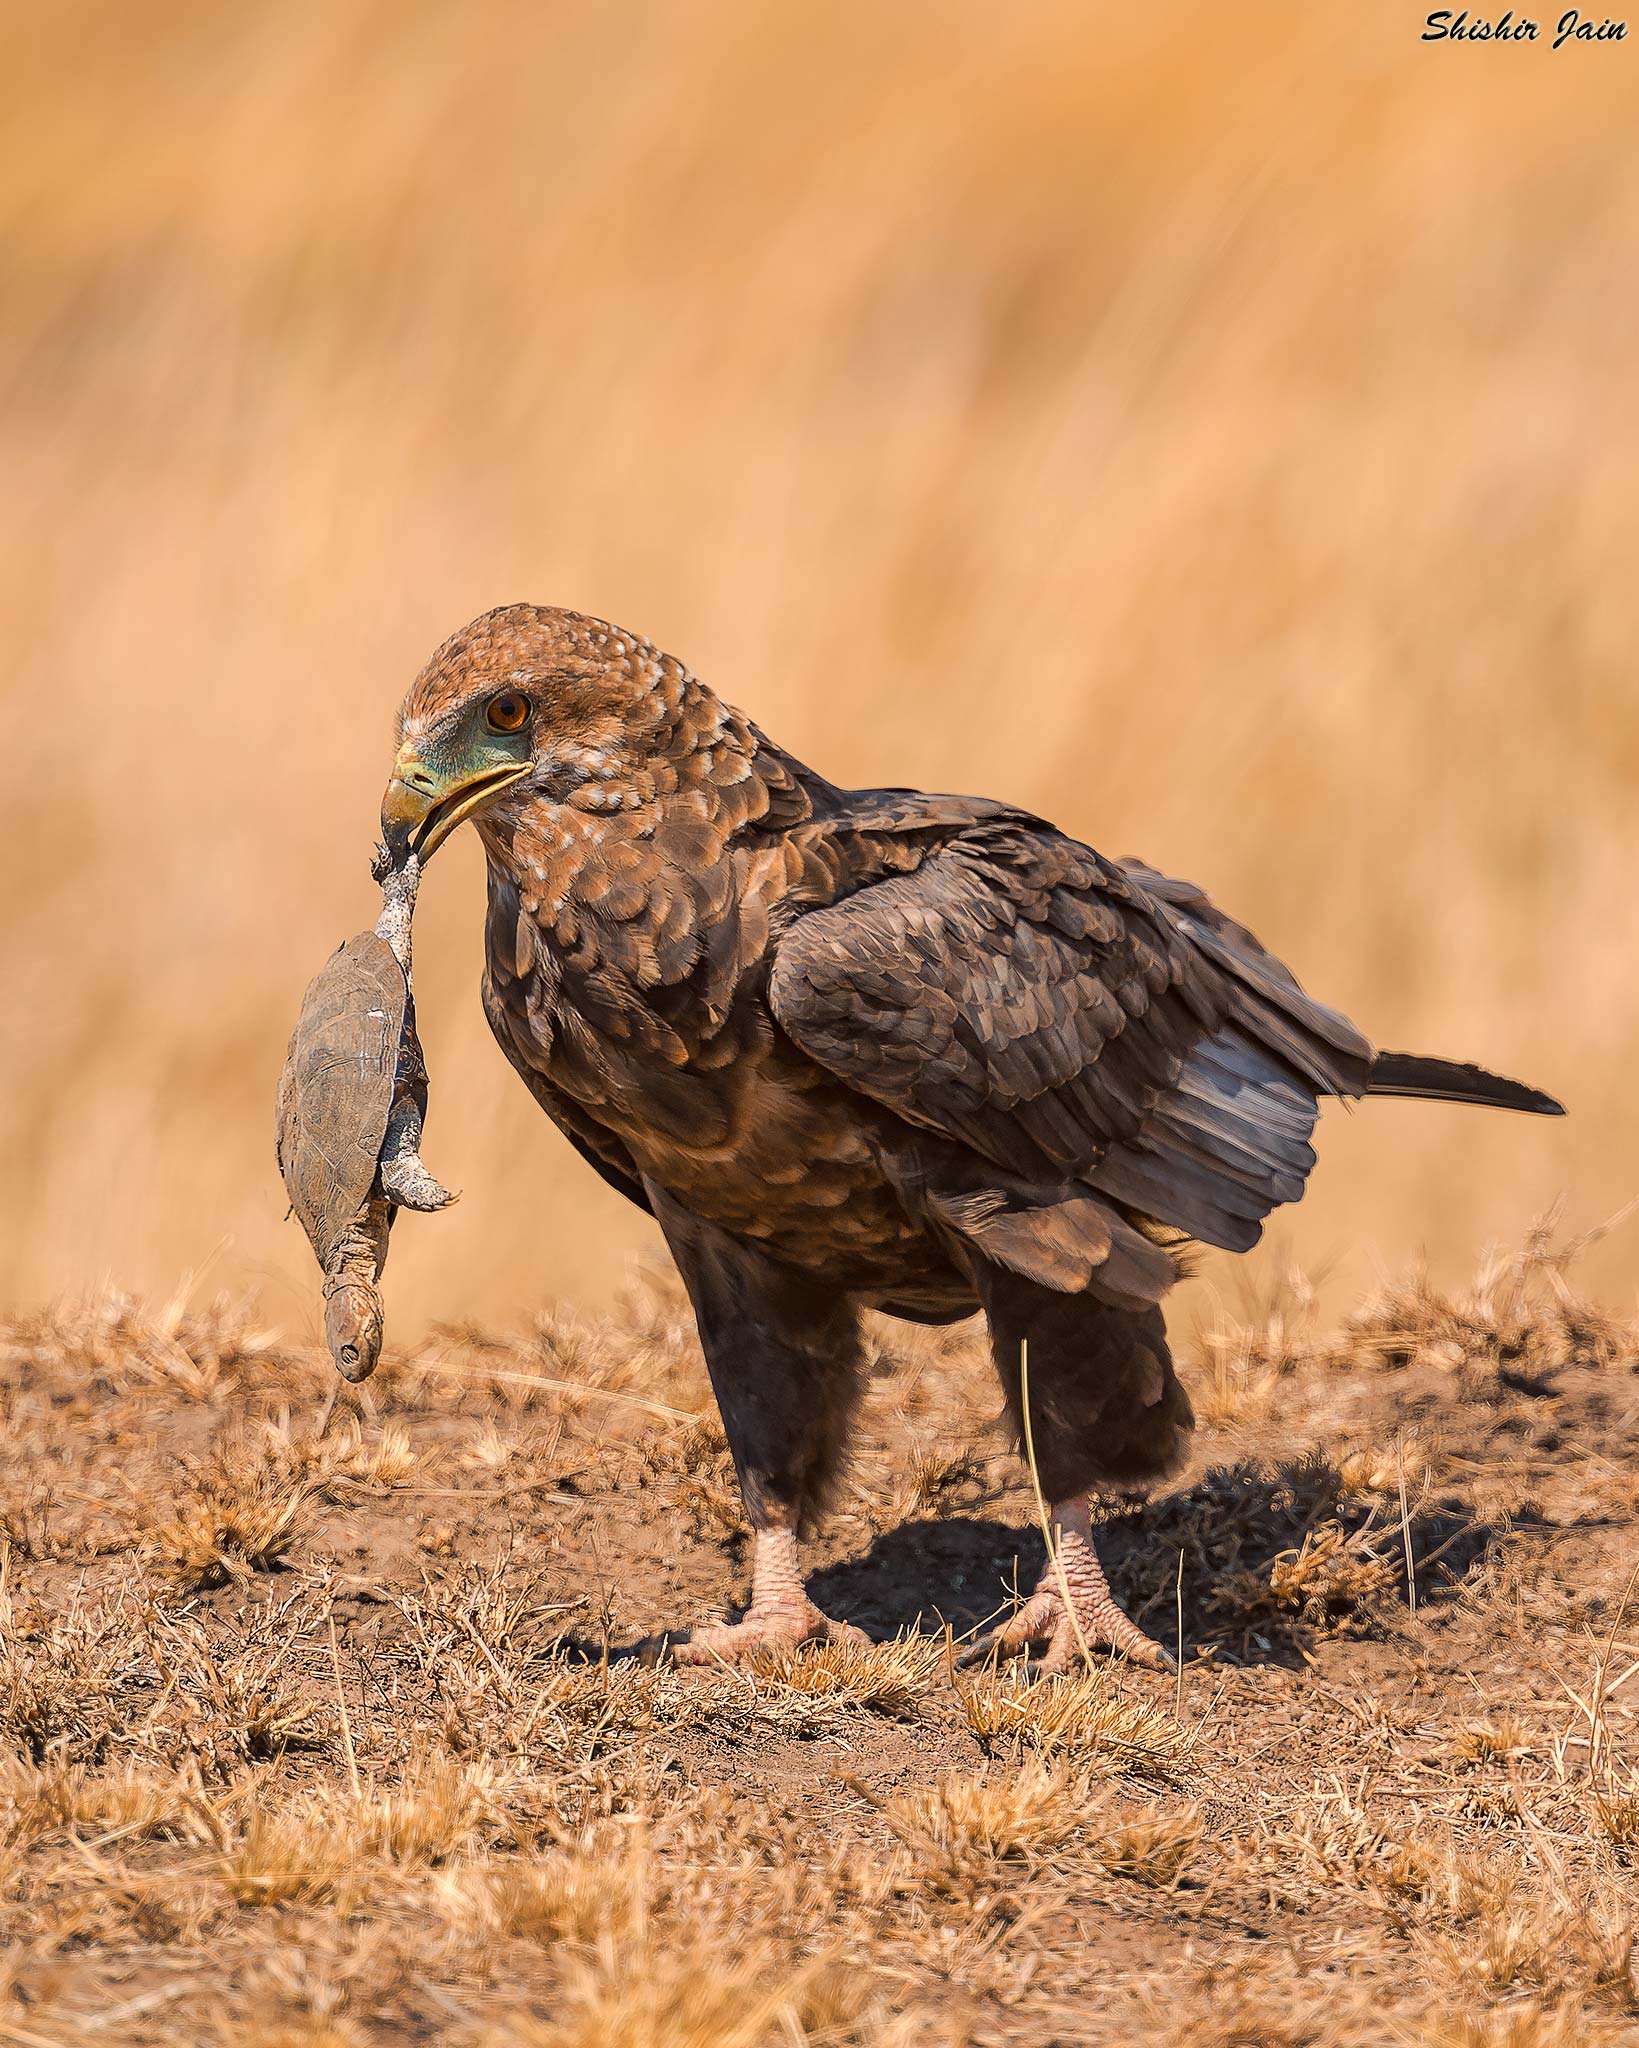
{"x":352,"y":1102}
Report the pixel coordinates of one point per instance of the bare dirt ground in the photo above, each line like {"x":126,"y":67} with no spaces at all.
{"x":314,"y":1726}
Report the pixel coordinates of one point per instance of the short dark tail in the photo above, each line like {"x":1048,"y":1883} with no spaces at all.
{"x":1408,"y":1073}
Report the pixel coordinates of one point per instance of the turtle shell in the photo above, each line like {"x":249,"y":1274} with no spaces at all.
{"x":337,"y":1087}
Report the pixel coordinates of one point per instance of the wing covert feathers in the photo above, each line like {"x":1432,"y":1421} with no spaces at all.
{"x":1068,"y":1245}
{"x":1085,"y":1026}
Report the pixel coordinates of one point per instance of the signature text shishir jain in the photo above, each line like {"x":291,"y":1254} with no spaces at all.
{"x":1457,"y":25}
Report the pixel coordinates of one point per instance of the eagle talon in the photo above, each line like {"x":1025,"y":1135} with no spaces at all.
{"x":1071,"y":1611}
{"x":785,"y":1625}
{"x":1061,"y":1647}
{"x":781,"y":1615}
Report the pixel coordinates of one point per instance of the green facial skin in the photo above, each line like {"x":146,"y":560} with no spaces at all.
{"x":440,"y":781}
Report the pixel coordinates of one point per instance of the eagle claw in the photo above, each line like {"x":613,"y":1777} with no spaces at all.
{"x":782,"y":1625}
{"x":1058,"y":1640}
{"x":1071,"y":1611}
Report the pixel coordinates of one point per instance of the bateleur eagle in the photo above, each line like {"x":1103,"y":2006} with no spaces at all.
{"x":873,"y":1049}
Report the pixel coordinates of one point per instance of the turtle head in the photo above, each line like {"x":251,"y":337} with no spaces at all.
{"x":353,"y":1327}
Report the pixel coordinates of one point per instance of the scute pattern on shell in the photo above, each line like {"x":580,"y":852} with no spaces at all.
{"x":336,"y":1091}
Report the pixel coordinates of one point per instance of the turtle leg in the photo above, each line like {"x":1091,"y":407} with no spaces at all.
{"x":399,"y":883}
{"x":352,"y":1304}
{"x":403,"y":1176}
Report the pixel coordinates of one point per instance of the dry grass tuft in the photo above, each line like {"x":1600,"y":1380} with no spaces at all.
{"x":179,"y":1346}
{"x":129,"y":1802}
{"x":1616,"y":1815}
{"x":1520,"y":1326}
{"x":288,"y":2033}
{"x":324,"y":1846}
{"x":692,"y":1465}
{"x":1516,"y":1329}
{"x":1557,"y":1946}
{"x":238,"y":1512}
{"x":962,"y":1824}
{"x":436,"y":1812}
{"x":245,"y":1701}
{"x":1525,"y":2025}
{"x":1082,"y":1717}
{"x":1249,"y":2007}
{"x":1156,"y":1850}
{"x":1383,"y":1468}
{"x":1266,"y":2009}
{"x":582,"y":1895}
{"x":753,"y":1995}
{"x":892,"y":1678}
{"x":938,"y":1480}
{"x":62,"y":1676}
{"x":283,"y":1852}
{"x":1247,"y":1363}
{"x":1334,"y":1845}
{"x":1492,"y":1741}
{"x":652,"y":1958}
{"x":1332,"y":1575}
{"x":343,"y":1457}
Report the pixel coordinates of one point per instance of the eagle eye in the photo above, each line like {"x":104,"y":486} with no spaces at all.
{"x":507,"y":713}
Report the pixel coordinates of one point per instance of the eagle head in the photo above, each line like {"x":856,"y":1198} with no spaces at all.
{"x":529,"y":701}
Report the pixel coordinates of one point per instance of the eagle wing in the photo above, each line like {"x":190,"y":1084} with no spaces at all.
{"x":1074,"y":1022}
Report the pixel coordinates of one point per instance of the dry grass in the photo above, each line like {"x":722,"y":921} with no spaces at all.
{"x":1207,"y":426}
{"x":284,"y":1854}
{"x":1082,"y":1716}
{"x":320,"y":1722}
{"x":1332,"y":1575}
{"x":1025,"y":1813}
{"x":756,"y":1996}
{"x":879,"y":1678}
{"x":235,"y":1514}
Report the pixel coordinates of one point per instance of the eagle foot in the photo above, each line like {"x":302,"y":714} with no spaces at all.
{"x":780,"y":1616}
{"x":780,"y":1625}
{"x":1060,"y":1627}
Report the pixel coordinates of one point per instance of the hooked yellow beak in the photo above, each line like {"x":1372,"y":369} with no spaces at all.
{"x":423,"y":807}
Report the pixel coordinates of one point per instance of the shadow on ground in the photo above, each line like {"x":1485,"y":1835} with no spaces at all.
{"x":1271,"y":1562}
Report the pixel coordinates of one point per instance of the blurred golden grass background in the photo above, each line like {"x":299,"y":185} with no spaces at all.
{"x":1212,"y":427}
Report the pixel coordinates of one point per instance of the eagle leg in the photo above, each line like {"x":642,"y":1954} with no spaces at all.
{"x":1098,"y":1409}
{"x":781,"y":1615}
{"x":1092,"y":1619}
{"x":785,"y":1360}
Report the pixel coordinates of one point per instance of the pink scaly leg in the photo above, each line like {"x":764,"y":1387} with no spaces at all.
{"x":1045,"y":1623}
{"x":780,"y":1615}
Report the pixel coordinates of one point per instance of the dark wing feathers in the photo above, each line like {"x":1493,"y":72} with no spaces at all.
{"x":1215,"y":1152}
{"x":1434,"y":1080}
{"x":1073,"y":1020}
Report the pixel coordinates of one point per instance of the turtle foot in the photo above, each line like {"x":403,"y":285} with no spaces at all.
{"x":408,"y":1183}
